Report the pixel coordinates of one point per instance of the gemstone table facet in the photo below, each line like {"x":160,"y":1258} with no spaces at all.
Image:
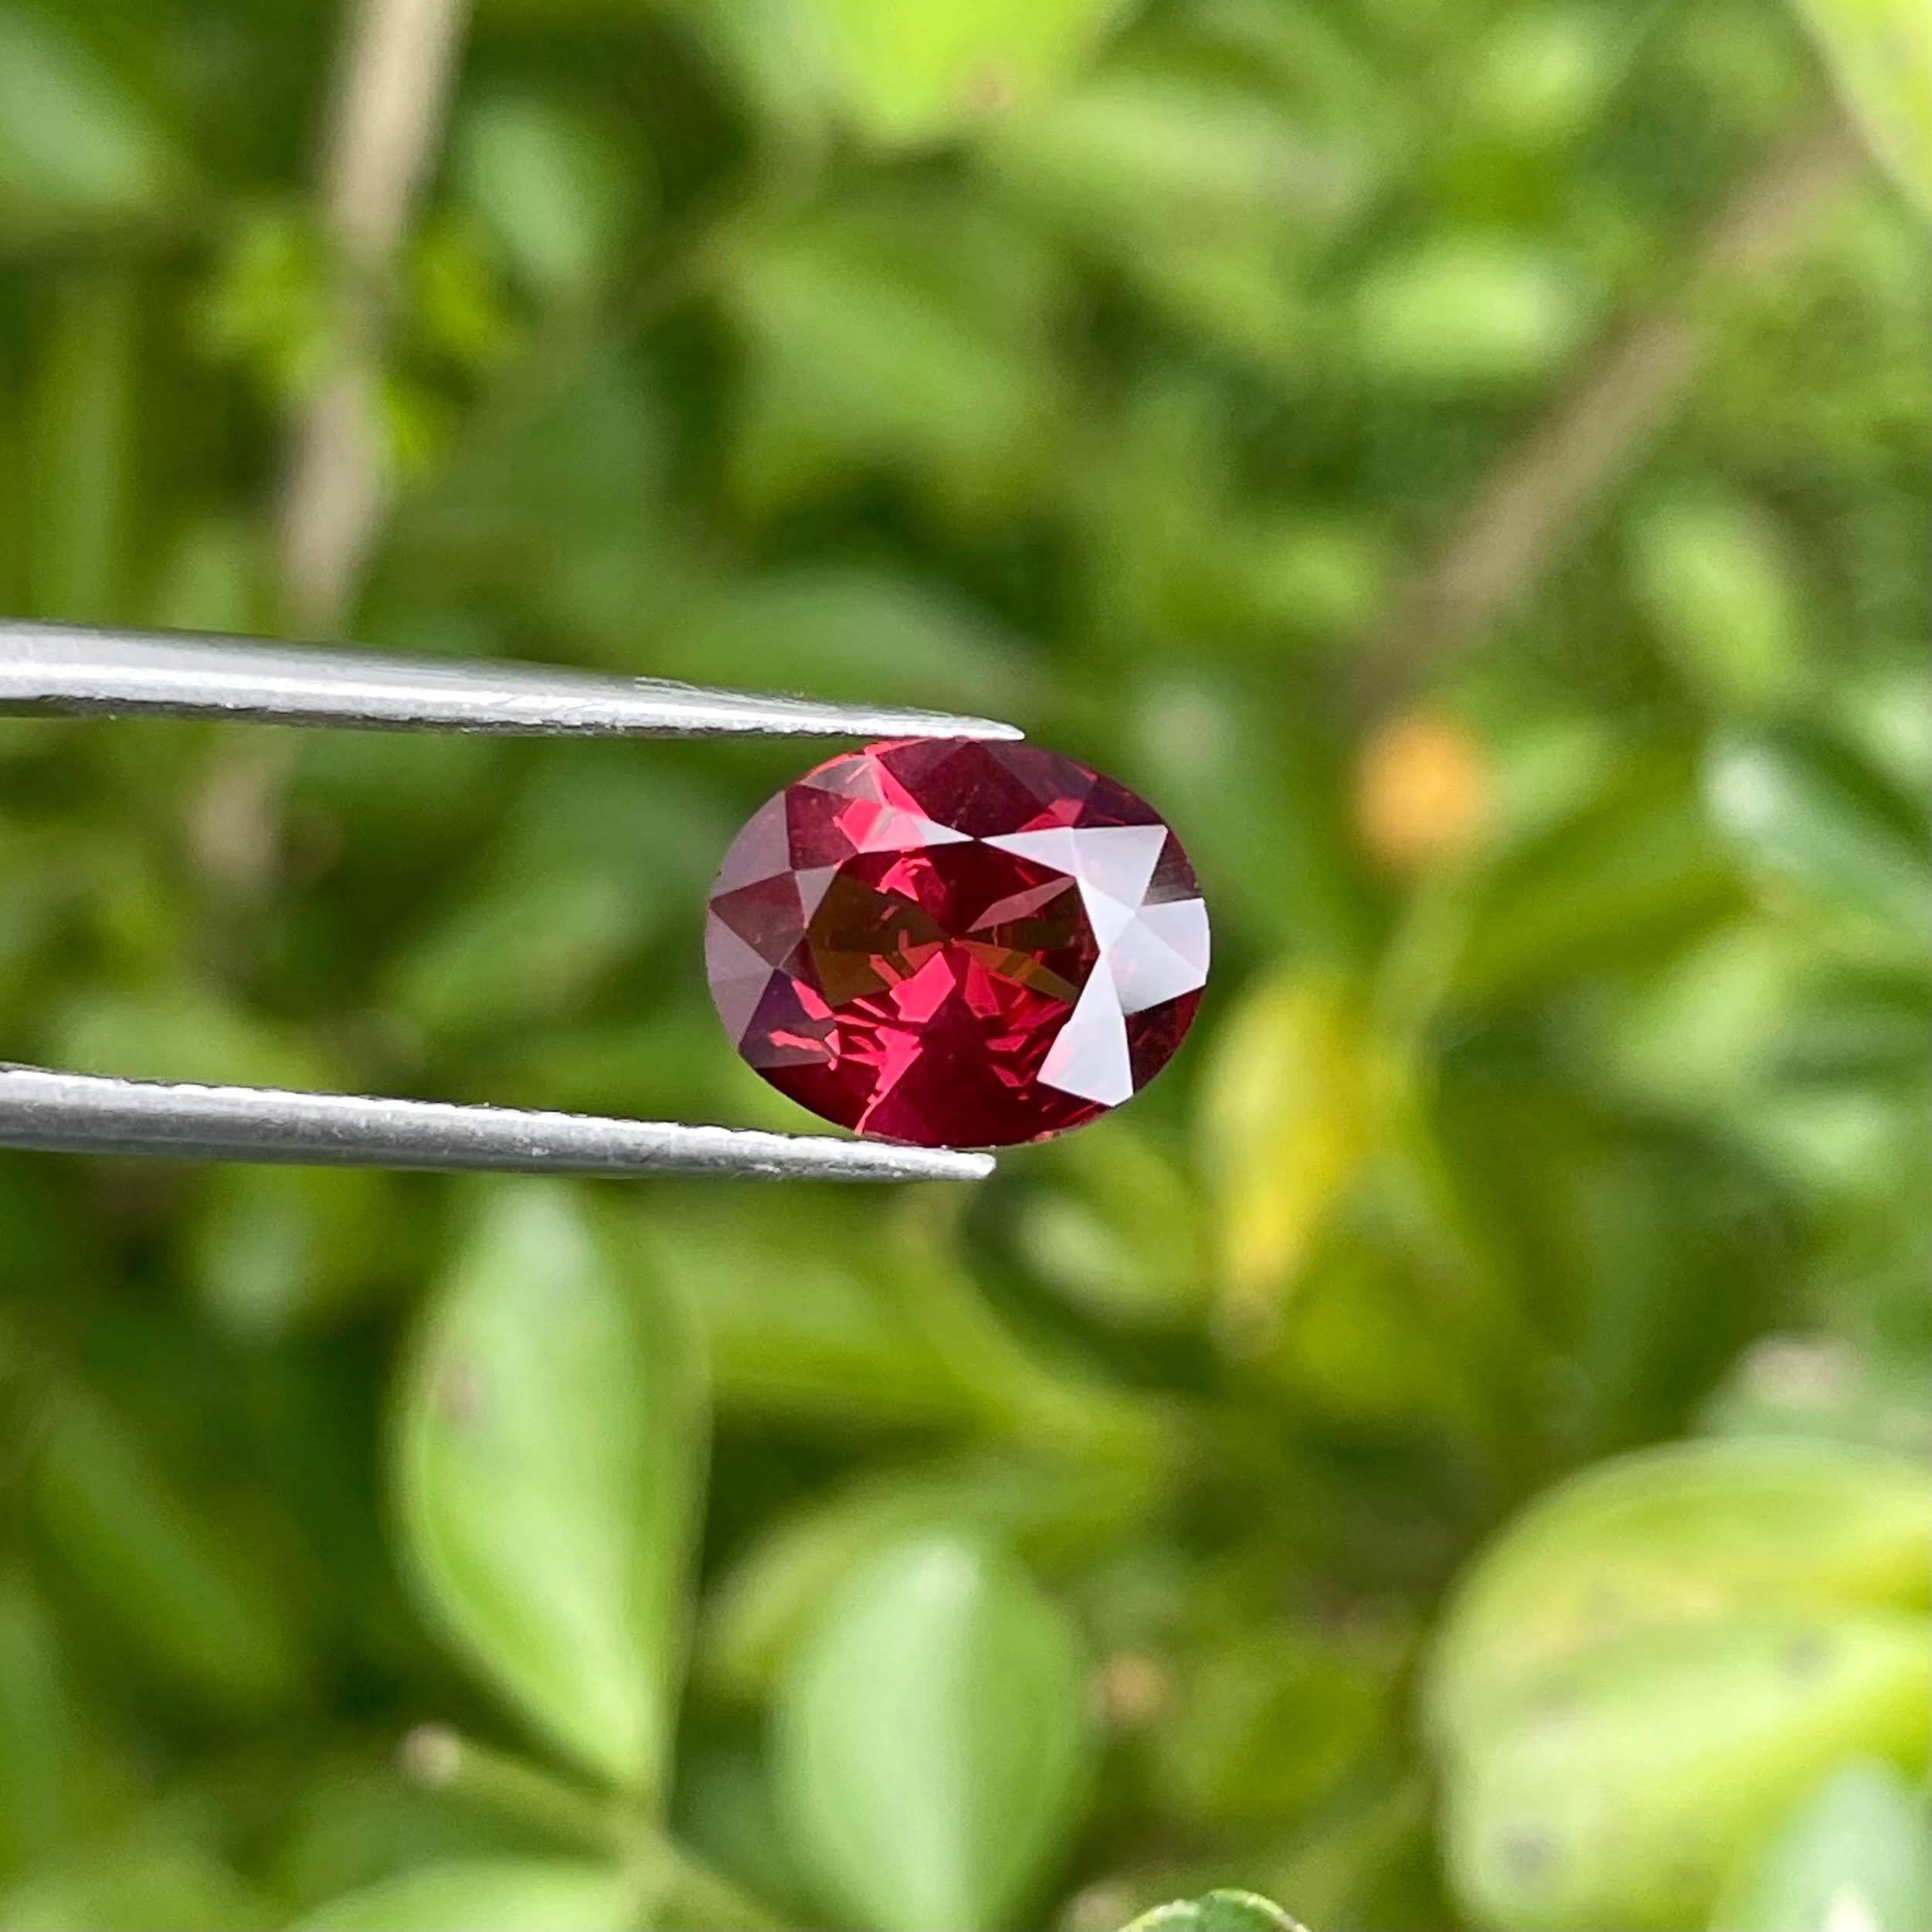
{"x":956,"y":942}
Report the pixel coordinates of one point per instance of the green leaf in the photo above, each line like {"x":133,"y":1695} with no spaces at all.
{"x":1624,"y":1791}
{"x":1855,"y":1855}
{"x":74,"y":141}
{"x":142,"y":1880}
{"x":921,"y":73}
{"x":1696,"y":1533}
{"x":1223,"y":1911}
{"x":487,"y":1895}
{"x":907,"y":334}
{"x":1880,"y":54}
{"x":1807,"y":810}
{"x":1264,"y":1722}
{"x":269,"y":1249}
{"x":560,"y":192}
{"x":1714,"y":575}
{"x":83,"y":445}
{"x":1617,"y":872}
{"x":771,"y":1598}
{"x":797,"y":1323}
{"x":550,"y":1457}
{"x":1469,"y":309}
{"x":932,"y":1740}
{"x":185,"y":1595}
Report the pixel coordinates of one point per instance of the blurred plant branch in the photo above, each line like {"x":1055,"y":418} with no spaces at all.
{"x":398,"y":65}
{"x":1540,"y":494}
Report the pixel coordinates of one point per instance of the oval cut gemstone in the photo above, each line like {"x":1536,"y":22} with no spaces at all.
{"x":955,"y":942}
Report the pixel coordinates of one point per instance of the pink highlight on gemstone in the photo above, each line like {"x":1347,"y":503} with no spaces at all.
{"x":956,"y":943}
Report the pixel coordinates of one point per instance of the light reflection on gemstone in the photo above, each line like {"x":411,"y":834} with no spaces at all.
{"x":956,"y":943}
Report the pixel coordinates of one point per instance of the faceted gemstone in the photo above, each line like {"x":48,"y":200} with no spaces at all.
{"x":955,"y":942}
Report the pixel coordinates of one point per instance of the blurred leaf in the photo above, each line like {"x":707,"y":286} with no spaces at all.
{"x":1691,"y":1738}
{"x":1855,"y":1855}
{"x":182,"y":1032}
{"x":1694,"y":1533}
{"x":1118,"y":1229}
{"x":355,"y":1825}
{"x":919,"y":73}
{"x":82,"y":449}
{"x":796,"y":1326}
{"x":932,"y":1739}
{"x":1541,"y":75}
{"x":1619,"y":874}
{"x":771,"y":1600}
{"x":1880,"y":53}
{"x":874,"y":346}
{"x":271,"y":1247}
{"x":1137,"y":154}
{"x":487,"y":1895}
{"x":1824,"y":1385}
{"x":144,"y":1881}
{"x":560,"y":192}
{"x":42,"y":1733}
{"x":727,"y":1815}
{"x":185,"y":1594}
{"x":75,"y":142}
{"x":1715,"y":577}
{"x":1804,"y":808}
{"x":1266,"y":1722}
{"x":550,"y":1455}
{"x":852,"y":632}
{"x":1291,"y":1106}
{"x":1217,"y":1912}
{"x":1478,"y":310}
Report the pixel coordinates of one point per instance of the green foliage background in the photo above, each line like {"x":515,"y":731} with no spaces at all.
{"x":1453,"y":1452}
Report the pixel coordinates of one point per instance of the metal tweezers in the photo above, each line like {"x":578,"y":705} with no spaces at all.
{"x":56,"y":669}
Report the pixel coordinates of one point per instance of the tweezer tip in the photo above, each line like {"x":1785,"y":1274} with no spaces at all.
{"x":932,"y":725}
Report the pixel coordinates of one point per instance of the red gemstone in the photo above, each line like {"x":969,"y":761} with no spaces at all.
{"x":958,"y":943}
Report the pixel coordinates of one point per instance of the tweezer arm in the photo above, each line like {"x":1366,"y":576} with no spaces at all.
{"x":53,"y":668}
{"x":81,"y":1113}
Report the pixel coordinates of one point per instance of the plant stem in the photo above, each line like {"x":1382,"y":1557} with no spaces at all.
{"x":398,"y":67}
{"x":443,"y":1760}
{"x":1542,"y":490}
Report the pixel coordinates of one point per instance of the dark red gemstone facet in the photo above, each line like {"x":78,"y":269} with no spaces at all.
{"x":956,"y":942}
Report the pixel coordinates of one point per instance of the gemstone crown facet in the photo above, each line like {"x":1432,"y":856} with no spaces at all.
{"x":956,"y":942}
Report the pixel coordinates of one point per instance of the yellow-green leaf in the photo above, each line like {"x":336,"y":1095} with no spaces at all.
{"x":1692,"y":1534}
{"x":1880,"y":53}
{"x":921,"y":72}
{"x":1293,"y":1098}
{"x":1854,"y":1854}
{"x":1624,"y":1793}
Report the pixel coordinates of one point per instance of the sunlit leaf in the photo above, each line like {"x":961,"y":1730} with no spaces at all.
{"x":1855,"y":1855}
{"x":1694,"y":1533}
{"x":1294,"y":1095}
{"x":550,"y":1454}
{"x":933,"y":1741}
{"x":1698,"y":1736}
